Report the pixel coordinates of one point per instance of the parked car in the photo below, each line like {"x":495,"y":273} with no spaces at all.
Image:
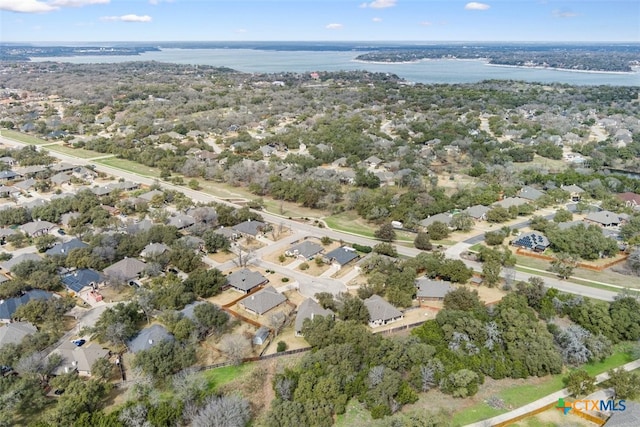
{"x":79,"y":342}
{"x":58,"y":391}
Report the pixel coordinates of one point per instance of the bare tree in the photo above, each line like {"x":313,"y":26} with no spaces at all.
{"x":245,"y":256}
{"x":134,"y":416}
{"x":235,"y":346}
{"x":224,"y":411}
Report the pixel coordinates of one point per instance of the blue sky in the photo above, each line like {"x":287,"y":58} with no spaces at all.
{"x":326,"y":20}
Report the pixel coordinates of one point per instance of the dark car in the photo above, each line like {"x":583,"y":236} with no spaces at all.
{"x":61,"y":232}
{"x":79,"y":342}
{"x":58,"y":391}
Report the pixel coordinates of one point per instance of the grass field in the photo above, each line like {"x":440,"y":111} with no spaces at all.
{"x":220,"y":376}
{"x":129,"y":166}
{"x":349,"y":222}
{"x":520,"y":395}
{"x":27,"y":139}
{"x":75,"y":152}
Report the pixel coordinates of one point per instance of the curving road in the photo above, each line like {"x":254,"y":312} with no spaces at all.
{"x":199,"y":196}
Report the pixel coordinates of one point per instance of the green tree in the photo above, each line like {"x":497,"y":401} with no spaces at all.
{"x":422,"y":241}
{"x":352,"y":308}
{"x":463,"y":299}
{"x":462,"y":222}
{"x":625,"y":384}
{"x":498,"y":214}
{"x":563,"y":265}
{"x":386,"y":233}
{"x":214,"y":242}
{"x":43,"y":243}
{"x":491,"y":272}
{"x":438,"y":230}
{"x":580,"y":383}
{"x":165,"y":359}
{"x":494,"y":238}
{"x":562,"y":215}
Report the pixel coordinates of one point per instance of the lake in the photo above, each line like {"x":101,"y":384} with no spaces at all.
{"x":427,"y":71}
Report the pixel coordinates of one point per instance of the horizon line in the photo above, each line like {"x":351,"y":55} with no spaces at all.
{"x":327,"y":41}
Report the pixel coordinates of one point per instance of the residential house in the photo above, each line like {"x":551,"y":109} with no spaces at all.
{"x":7,"y":160}
{"x":204,"y":215}
{"x":66,"y":247}
{"x":6,"y":191}
{"x":149,"y":195}
{"x":444,"y":218}
{"x":631,"y":200}
{"x":60,"y":178}
{"x":305,"y":250}
{"x":126,"y":269}
{"x":373,"y":161}
{"x":66,"y":218}
{"x":511,"y":201}
{"x":477,"y":212}
{"x":245,"y":280}
{"x":82,"y":278}
{"x":267,"y":150}
{"x":261,"y":336}
{"x":432,"y":290}
{"x":8,"y":175}
{"x":37,"y":228}
{"x":249,"y":228}
{"x":62,"y":167}
{"x":181,"y":221}
{"x":570,"y":224}
{"x":189,"y":310}
{"x":193,"y":242}
{"x":604,"y":218}
{"x":381,"y":312}
{"x":8,"y":265}
{"x":25,"y":185}
{"x":533,"y":240}
{"x":629,"y":417}
{"x":262,"y":301}
{"x":308,"y":310}
{"x":154,"y":249}
{"x":78,"y":359}
{"x":575,"y":192}
{"x":10,"y":305}
{"x":341,"y":256}
{"x":83,"y":173}
{"x":149,"y":337}
{"x":14,"y":333}
{"x":31,"y":171}
{"x":530,"y":193}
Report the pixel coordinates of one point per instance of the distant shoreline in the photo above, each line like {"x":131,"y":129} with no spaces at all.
{"x":635,"y":70}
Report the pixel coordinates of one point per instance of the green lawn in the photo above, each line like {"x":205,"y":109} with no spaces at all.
{"x":221,"y":376}
{"x":129,"y":166}
{"x":349,"y":222}
{"x":76,"y":152}
{"x":520,"y":395}
{"x":22,"y":137}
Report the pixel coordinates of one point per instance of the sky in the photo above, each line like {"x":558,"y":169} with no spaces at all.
{"x":319,"y":20}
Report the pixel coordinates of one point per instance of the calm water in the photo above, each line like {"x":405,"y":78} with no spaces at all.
{"x":430,"y":71}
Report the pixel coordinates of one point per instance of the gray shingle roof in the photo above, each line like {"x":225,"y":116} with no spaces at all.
{"x":604,"y":218}
{"x":249,"y":227}
{"x":380,"y":309}
{"x":530,"y":193}
{"x":127,"y":269}
{"x":306,"y":249}
{"x":35,"y":227}
{"x":181,"y":221}
{"x":428,"y":288}
{"x":477,"y":211}
{"x":78,"y":358}
{"x":342,"y":255}
{"x":245,"y":279}
{"x":13,"y":333}
{"x":441,"y":217}
{"x":148,"y":337}
{"x":630,"y":417}
{"x":66,"y":247}
{"x":572,"y":188}
{"x":308,"y":310}
{"x":511,"y":201}
{"x":154,"y":249}
{"x":188,"y":310}
{"x":9,"y":306}
{"x":263,"y":300}
{"x":8,"y":265}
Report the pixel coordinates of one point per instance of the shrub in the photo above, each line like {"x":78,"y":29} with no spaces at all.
{"x":282,"y":346}
{"x":285,"y":279}
{"x":304,"y":266}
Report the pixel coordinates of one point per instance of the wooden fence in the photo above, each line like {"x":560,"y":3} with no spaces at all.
{"x":584,"y":265}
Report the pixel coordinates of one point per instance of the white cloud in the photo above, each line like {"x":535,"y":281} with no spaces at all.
{"x":563,"y":14}
{"x":157,"y":2}
{"x":334,"y":27}
{"x":379,"y":4}
{"x":241,"y":31}
{"x":476,"y":6}
{"x":426,"y":23}
{"x":377,"y":19}
{"x":77,"y":3}
{"x":26,"y":6}
{"x":127,"y":18}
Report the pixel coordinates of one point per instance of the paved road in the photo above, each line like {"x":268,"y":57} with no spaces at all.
{"x":310,"y":229}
